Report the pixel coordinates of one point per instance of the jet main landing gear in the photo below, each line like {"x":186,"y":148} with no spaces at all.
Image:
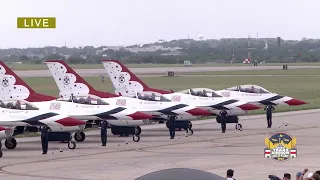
{"x":138,"y":130}
{"x":10,"y":143}
{"x":80,"y":136}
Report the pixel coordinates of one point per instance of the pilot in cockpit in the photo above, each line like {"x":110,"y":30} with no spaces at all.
{"x":71,"y":98}
{"x":252,"y":89}
{"x":87,"y":100}
{"x":82,"y":100}
{"x":192,"y":92}
{"x":2,"y":104}
{"x":18,"y":104}
{"x":199,"y":93}
{"x":204,"y":93}
{"x":75,"y":100}
{"x":139,"y":96}
{"x":153,"y":97}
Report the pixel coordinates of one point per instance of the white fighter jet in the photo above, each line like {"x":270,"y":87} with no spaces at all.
{"x":257,"y":95}
{"x":16,"y":121}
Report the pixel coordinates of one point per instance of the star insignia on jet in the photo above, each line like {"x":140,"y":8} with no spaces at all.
{"x":5,"y":82}
{"x":121,"y":78}
{"x":66,"y":80}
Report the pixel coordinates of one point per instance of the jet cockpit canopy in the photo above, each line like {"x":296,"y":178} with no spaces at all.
{"x":17,"y":104}
{"x":248,"y":88}
{"x":203,"y":92}
{"x":150,"y":96}
{"x":88,"y":99}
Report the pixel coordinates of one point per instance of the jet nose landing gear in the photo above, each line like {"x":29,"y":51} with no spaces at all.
{"x":239,"y":126}
{"x":72,"y":145}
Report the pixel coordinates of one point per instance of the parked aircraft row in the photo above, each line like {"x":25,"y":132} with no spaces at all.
{"x":235,"y":101}
{"x":80,"y":106}
{"x":126,"y":83}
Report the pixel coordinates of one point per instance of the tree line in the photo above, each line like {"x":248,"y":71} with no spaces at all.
{"x":264,"y":49}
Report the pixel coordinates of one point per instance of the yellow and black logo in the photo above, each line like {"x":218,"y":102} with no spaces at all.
{"x":280,"y":147}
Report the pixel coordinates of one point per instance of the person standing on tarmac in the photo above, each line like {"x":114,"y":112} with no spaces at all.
{"x":223,"y":115}
{"x":172,"y":127}
{"x":1,"y":153}
{"x":44,"y":140}
{"x":269,"y":110}
{"x":104,"y":126}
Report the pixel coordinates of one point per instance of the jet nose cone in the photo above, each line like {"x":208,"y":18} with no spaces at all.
{"x":295,"y":102}
{"x":248,"y":107}
{"x":2,"y":128}
{"x":140,"y":116}
{"x":199,"y":112}
{"x":68,"y":121}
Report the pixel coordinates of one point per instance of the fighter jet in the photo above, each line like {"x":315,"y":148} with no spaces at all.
{"x":16,"y":121}
{"x":85,"y":108}
{"x":259,"y":96}
{"x":125,"y":82}
{"x":69,"y":82}
{"x":253,"y":94}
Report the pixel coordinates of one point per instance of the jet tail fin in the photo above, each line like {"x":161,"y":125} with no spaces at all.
{"x":70,"y":83}
{"x":13,"y":87}
{"x":124,"y":81}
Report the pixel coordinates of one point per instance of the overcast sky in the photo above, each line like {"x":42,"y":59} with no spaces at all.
{"x":126,"y":22}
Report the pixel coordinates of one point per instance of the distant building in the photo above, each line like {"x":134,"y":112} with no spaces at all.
{"x":152,"y":49}
{"x":99,"y":52}
{"x":174,"y":53}
{"x":115,"y":48}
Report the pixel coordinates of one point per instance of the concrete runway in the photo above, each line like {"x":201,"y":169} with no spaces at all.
{"x":208,"y":149}
{"x":160,"y":70}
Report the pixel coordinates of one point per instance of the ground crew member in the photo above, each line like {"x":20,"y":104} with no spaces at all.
{"x":101,"y":78}
{"x":172,"y":127}
{"x":269,"y":110}
{"x":223,"y":115}
{"x":44,"y":140}
{"x":104,"y":127}
{"x":1,"y":154}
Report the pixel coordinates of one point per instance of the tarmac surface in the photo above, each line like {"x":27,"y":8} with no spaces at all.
{"x":208,"y":149}
{"x":160,"y":70}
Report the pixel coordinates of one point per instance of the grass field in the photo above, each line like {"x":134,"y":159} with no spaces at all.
{"x":99,"y":66}
{"x":303,"y":87}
